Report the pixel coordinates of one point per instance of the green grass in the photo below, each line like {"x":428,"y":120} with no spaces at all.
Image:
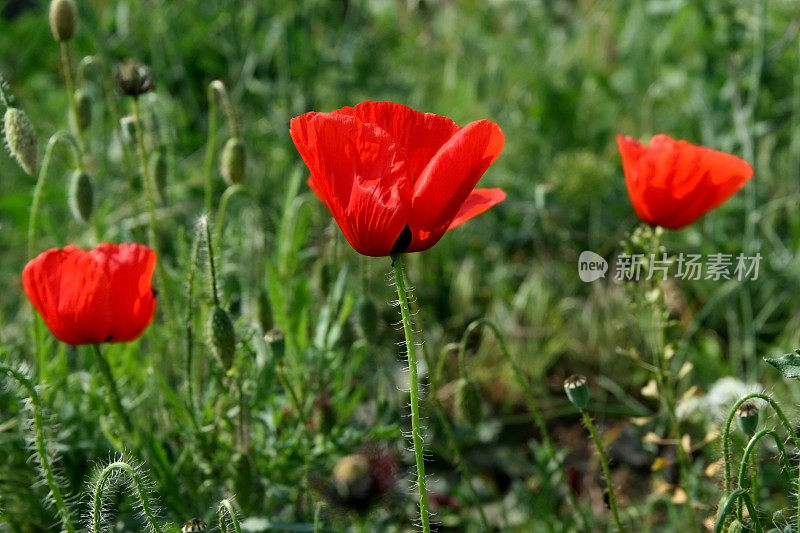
{"x":562,"y":79}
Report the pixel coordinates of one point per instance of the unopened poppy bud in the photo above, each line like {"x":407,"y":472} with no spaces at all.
{"x":81,"y":196}
{"x":63,"y":19}
{"x":577,"y":389}
{"x":158,"y":169}
{"x":83,"y":108}
{"x":223,"y":338}
{"x":351,"y":475}
{"x":20,"y":139}
{"x":276,"y":340}
{"x":233,"y":161}
{"x":468,"y":404}
{"x":747,"y":417}
{"x":194,"y":525}
{"x":134,"y":78}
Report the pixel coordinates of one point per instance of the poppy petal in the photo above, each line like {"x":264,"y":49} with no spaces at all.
{"x":129,"y":268}
{"x":419,"y":135}
{"x":477,"y":202}
{"x":449,"y":179}
{"x":360,"y":174}
{"x":70,"y":291}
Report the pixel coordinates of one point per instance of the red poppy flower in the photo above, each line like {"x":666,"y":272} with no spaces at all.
{"x":93,"y":296}
{"x":673,"y":183}
{"x":396,"y":179}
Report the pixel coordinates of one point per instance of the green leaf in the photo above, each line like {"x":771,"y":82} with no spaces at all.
{"x":788,"y":365}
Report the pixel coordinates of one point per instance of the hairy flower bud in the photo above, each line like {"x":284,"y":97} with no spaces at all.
{"x":577,"y":389}
{"x":81,"y":196}
{"x":233,"y":161}
{"x":468,"y":405}
{"x":134,"y":78}
{"x":223,"y":338}
{"x":83,"y":105}
{"x":63,"y":19}
{"x":21,"y":139}
{"x":194,"y":525}
{"x":747,"y":417}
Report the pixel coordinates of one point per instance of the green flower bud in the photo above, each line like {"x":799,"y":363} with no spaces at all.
{"x":223,"y":337}
{"x":468,"y":404}
{"x":63,"y":19}
{"x":81,"y":196}
{"x":233,"y":161}
{"x":158,"y":169}
{"x":747,"y":417}
{"x":83,"y":104}
{"x":21,"y":139}
{"x":276,"y":340}
{"x":577,"y":389}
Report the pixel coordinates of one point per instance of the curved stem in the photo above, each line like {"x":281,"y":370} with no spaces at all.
{"x":227,"y":106}
{"x":727,"y":506}
{"x":70,"y":141}
{"x":41,"y":445}
{"x":598,"y":444}
{"x":112,"y":391}
{"x":749,"y":453}
{"x":146,"y":178}
{"x":411,"y":350}
{"x":225,"y":507}
{"x":139,"y":485}
{"x":222,"y":210}
{"x":212,"y":272}
{"x":726,"y":438}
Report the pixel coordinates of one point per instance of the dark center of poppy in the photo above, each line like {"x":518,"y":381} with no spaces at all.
{"x":402,"y":242}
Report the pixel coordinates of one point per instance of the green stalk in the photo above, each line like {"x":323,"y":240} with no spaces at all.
{"x":749,"y":456}
{"x":70,"y":140}
{"x":411,"y":350}
{"x":146,"y":179}
{"x":66,"y":65}
{"x":41,"y":445}
{"x":598,"y":444}
{"x":112,"y":391}
{"x":727,"y":506}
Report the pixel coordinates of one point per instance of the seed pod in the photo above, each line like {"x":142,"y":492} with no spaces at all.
{"x":223,"y":338}
{"x":134,"y":78}
{"x":233,"y":161}
{"x":747,"y":417}
{"x":158,"y":169}
{"x":468,"y":404}
{"x":194,"y":525}
{"x":63,"y":18}
{"x":81,"y":196}
{"x":577,"y":389}
{"x":83,"y":104}
{"x":21,"y":139}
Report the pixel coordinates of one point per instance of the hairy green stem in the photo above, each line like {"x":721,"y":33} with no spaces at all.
{"x":139,"y":485}
{"x":212,"y":271}
{"x":112,"y":391}
{"x":411,"y":351}
{"x":222,"y":210}
{"x":226,"y":508}
{"x":42,"y":454}
{"x":749,"y":456}
{"x":728,"y":506}
{"x":601,"y":452}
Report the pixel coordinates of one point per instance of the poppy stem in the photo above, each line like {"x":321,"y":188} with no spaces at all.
{"x":66,"y":65}
{"x":146,"y":178}
{"x":601,"y":452}
{"x":112,"y":391}
{"x":411,"y":351}
{"x":226,"y":508}
{"x":41,"y":448}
